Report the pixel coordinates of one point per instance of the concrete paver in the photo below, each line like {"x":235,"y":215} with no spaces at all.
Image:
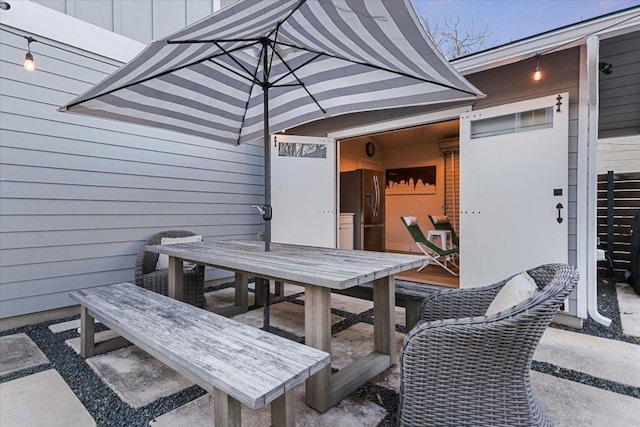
{"x":136,"y":377}
{"x":99,"y":337}
{"x":571,"y":404}
{"x":56,"y":328}
{"x":41,"y":399}
{"x":353,"y":411}
{"x":600,"y":357}
{"x":18,"y":352}
{"x":629,"y":305}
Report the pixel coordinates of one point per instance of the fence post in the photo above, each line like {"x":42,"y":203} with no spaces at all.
{"x":610,"y":241}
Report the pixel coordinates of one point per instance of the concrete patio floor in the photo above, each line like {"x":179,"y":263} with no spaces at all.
{"x":43,"y":386}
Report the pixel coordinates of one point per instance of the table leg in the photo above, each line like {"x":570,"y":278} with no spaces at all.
{"x":317,"y":331}
{"x":176,"y":280}
{"x":384,"y":301}
{"x":242,"y":289}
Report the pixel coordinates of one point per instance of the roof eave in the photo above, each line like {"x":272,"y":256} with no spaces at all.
{"x":564,"y":38}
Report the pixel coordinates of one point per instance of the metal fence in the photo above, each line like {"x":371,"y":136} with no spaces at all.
{"x":618,"y":202}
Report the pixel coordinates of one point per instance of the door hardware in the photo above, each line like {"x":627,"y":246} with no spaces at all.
{"x":559,"y":207}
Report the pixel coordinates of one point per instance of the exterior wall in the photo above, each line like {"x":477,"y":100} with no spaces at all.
{"x":79,"y":195}
{"x":619,"y":112}
{"x":141,"y":20}
{"x":512,"y":83}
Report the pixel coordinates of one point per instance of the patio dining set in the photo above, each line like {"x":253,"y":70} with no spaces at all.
{"x":466,"y":361}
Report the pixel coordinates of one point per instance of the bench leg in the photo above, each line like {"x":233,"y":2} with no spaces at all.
{"x":283,"y":412}
{"x":279,"y":291}
{"x":87,"y":333}
{"x":412,"y":313}
{"x":226,"y":410}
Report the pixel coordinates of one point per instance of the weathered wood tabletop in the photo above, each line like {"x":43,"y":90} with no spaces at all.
{"x":319,"y":270}
{"x":305,"y":265}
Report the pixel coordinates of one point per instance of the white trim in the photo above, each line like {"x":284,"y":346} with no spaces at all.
{"x":582,"y":190}
{"x":561,"y":39}
{"x":593,"y":54}
{"x":41,"y":21}
{"x":401,"y":123}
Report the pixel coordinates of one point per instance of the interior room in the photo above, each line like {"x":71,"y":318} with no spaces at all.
{"x":406,"y":158}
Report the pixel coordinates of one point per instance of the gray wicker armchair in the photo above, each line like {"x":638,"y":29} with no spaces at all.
{"x":459,"y":367}
{"x":148,"y":277}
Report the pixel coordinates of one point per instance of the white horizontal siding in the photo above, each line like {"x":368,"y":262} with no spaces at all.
{"x":142,"y":20}
{"x":78,"y":196}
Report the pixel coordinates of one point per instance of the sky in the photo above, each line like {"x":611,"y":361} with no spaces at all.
{"x":510,"y":20}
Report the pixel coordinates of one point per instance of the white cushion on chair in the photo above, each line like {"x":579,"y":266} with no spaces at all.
{"x":163,"y":260}
{"x":516,"y":290}
{"x":439,"y":219}
{"x":410,"y":220}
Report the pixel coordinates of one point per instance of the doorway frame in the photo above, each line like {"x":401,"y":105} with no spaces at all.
{"x":388,"y":126}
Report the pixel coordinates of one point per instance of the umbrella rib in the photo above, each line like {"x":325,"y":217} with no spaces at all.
{"x":377,"y":67}
{"x":155,"y":76}
{"x":294,"y":10}
{"x":246,"y":105}
{"x":275,"y":82}
{"x":292,"y":73}
{"x":231,"y":70}
{"x":234,"y":59}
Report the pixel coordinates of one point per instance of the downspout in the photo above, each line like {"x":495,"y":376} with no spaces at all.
{"x":593,"y":47}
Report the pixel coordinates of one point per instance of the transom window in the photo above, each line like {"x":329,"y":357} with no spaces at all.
{"x":525,"y":121}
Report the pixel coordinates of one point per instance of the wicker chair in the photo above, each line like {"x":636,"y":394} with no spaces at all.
{"x":459,"y":367}
{"x":148,"y":277}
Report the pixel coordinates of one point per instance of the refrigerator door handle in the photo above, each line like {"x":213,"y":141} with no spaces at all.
{"x":376,"y":196}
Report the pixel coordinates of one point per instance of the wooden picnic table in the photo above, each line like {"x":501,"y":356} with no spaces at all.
{"x":319,"y":270}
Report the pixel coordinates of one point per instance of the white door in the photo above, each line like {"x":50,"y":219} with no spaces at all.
{"x":513,"y":188}
{"x":303,"y":190}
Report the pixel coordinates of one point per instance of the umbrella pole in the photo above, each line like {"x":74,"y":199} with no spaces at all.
{"x":267,"y":179}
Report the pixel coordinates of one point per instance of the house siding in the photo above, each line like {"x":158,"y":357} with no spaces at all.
{"x":619,"y":112}
{"x":80,"y":195}
{"x":141,"y":20}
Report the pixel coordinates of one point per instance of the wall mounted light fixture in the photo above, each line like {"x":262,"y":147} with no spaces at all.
{"x":606,"y":68}
{"x":537,"y":75}
{"x":29,"y":65}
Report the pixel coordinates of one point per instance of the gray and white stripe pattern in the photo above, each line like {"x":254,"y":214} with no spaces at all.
{"x":351,"y":55}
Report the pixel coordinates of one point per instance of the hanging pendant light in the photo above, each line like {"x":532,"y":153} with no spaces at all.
{"x":29,"y":65}
{"x":537,"y":75}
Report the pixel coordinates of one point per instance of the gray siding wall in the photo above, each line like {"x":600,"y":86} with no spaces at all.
{"x":141,"y":20}
{"x":80,"y":195}
{"x":619,"y":113}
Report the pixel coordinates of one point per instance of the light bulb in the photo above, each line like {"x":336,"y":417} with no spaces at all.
{"x":537,"y":75}
{"x":29,"y":65}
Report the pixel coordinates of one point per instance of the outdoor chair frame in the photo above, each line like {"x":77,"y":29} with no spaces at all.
{"x":146,"y":275}
{"x":435,"y":253}
{"x":459,"y":367}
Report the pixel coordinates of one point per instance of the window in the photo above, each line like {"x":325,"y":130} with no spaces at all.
{"x":296,"y":149}
{"x":541,"y":118}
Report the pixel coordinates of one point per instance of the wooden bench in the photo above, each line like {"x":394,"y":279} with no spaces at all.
{"x":237,"y":363}
{"x":408,"y":295}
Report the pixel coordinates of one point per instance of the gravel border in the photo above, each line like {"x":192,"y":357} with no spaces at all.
{"x":108,"y":410}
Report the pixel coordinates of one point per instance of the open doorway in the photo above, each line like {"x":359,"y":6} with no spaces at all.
{"x":419,"y":170}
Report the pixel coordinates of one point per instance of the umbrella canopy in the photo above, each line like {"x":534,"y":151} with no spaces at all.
{"x":262,"y":66}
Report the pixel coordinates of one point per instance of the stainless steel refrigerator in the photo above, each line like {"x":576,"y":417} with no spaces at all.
{"x":362,"y":193}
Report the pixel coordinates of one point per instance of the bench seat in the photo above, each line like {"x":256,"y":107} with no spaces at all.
{"x":236,"y":362}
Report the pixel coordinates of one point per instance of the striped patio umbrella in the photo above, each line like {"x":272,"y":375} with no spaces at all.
{"x":262,"y":66}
